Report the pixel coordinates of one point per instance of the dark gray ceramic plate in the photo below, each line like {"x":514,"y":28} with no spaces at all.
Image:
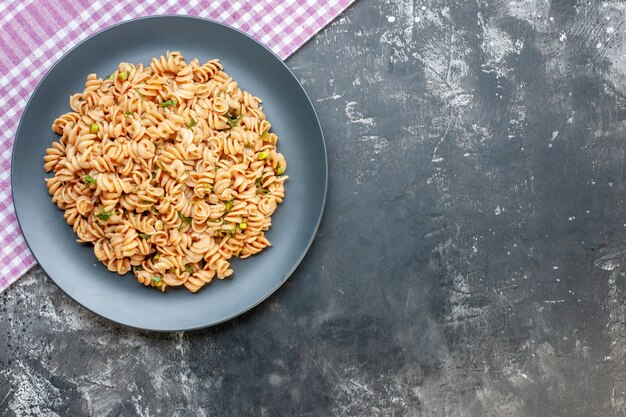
{"x":74,"y":267}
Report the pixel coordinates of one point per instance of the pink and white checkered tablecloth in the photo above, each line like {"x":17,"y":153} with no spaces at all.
{"x":34,"y":34}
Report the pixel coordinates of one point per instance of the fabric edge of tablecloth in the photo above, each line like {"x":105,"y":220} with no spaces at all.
{"x":325,"y":25}
{"x":10,"y":280}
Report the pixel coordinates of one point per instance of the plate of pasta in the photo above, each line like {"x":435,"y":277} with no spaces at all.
{"x":172,"y":182}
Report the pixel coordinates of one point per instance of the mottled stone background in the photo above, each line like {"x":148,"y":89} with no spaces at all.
{"x":471,"y":261}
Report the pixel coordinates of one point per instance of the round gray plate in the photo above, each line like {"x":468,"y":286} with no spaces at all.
{"x":74,"y":267}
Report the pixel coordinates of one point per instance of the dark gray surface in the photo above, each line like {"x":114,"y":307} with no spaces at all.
{"x":470,"y":261}
{"x":76,"y":269}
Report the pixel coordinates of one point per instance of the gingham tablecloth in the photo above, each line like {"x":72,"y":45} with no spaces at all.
{"x":36,"y":33}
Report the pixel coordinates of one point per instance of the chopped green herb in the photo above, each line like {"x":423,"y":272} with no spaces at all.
{"x":233,"y":121}
{"x":139,"y":92}
{"x":263,"y":155}
{"x":129,"y":114}
{"x":146,"y":202}
{"x":265,"y":191}
{"x":168,"y":103}
{"x":156,"y":281}
{"x":243,"y":225}
{"x":89,"y":179}
{"x":183,"y":218}
{"x":144,"y":235}
{"x":94,"y":128}
{"x":104,"y":215}
{"x":188,"y":268}
{"x":265,"y":137}
{"x":207,"y":187}
{"x":110,"y":77}
{"x":156,"y":257}
{"x":192,"y":123}
{"x":279,"y":170}
{"x":123,"y":76}
{"x":154,"y":175}
{"x":229,"y":206}
{"x":139,"y":268}
{"x":258,"y":182}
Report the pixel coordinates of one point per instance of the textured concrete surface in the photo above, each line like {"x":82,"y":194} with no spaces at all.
{"x":472,"y":257}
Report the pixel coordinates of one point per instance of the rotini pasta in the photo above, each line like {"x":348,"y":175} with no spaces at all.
{"x":169,"y":170}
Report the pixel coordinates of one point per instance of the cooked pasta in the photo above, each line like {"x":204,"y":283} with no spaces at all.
{"x":169,"y":170}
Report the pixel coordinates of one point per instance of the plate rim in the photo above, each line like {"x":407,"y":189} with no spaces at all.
{"x":317,"y":222}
